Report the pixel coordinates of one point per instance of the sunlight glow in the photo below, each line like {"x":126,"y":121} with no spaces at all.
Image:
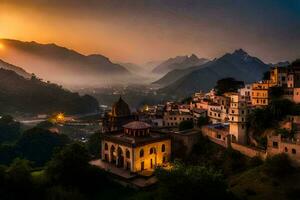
{"x":2,"y":46}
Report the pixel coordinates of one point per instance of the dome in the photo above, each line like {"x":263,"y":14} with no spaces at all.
{"x":137,"y":125}
{"x":120,"y":108}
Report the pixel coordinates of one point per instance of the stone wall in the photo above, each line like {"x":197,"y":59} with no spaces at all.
{"x":249,"y":151}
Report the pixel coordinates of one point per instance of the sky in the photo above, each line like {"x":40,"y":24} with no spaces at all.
{"x":148,"y":30}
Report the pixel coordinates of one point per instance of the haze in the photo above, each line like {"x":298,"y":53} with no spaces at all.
{"x":144,"y":30}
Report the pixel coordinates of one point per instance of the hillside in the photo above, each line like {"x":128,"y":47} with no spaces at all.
{"x":18,"y":70}
{"x":66,"y":66}
{"x":33,"y":96}
{"x":238,"y":65}
{"x":179,"y":62}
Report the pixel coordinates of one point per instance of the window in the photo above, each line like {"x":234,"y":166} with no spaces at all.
{"x":243,"y":126}
{"x":127,"y":154}
{"x":275,"y":144}
{"x":163,"y":148}
{"x":106,"y":146}
{"x":242,"y":112}
{"x":286,"y":149}
{"x":141,"y":153}
{"x":293,"y":151}
{"x":152,"y":150}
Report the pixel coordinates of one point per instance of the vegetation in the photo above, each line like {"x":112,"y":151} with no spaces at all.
{"x":261,"y":119}
{"x":18,"y":94}
{"x":191,"y":182}
{"x":185,"y":125}
{"x":94,"y":145}
{"x":228,"y":85}
{"x":9,"y":129}
{"x":36,"y":144}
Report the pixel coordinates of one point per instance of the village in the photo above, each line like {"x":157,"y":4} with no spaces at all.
{"x":135,"y":143}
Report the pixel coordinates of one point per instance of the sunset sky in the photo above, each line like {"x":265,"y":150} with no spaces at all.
{"x":144,"y":30}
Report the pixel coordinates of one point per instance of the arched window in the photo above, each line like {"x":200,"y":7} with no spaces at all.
{"x":142,"y":153}
{"x":152,"y":150}
{"x":127,"y":154}
{"x":106,"y":146}
{"x":163,"y":148}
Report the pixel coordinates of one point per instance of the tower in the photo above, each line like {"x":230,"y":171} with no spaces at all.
{"x":237,"y":118}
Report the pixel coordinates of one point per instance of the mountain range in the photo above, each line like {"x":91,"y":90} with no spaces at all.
{"x":239,"y":65}
{"x":18,"y":70}
{"x":179,"y":62}
{"x":66,"y":66}
{"x":33,"y":96}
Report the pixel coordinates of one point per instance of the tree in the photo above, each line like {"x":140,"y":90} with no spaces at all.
{"x":228,"y":85}
{"x":70,"y":167}
{"x":278,"y":165}
{"x":191,"y":182}
{"x":94,"y":144}
{"x":185,"y":125}
{"x":38,"y":145}
{"x":266,"y":75}
{"x":9,"y":129}
{"x":18,"y":182}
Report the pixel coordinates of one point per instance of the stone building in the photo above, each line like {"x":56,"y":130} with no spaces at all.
{"x":136,"y":148}
{"x":238,"y":112}
{"x":175,"y":117}
{"x":261,"y":92}
{"x":119,"y":116}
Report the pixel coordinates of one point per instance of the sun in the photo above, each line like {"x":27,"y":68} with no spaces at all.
{"x":2,"y":46}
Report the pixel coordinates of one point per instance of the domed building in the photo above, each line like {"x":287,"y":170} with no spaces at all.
{"x":119,"y":116}
{"x":136,"y":148}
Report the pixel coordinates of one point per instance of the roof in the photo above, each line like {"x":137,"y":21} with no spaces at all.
{"x":137,"y":125}
{"x":120,"y":108}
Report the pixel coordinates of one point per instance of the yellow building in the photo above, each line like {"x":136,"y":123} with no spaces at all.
{"x":238,"y":112}
{"x":136,"y":148}
{"x":261,"y":92}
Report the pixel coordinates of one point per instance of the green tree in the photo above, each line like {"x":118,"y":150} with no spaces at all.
{"x":38,"y":145}
{"x":278,"y":165}
{"x":94,"y":144}
{"x":70,"y":167}
{"x":9,"y":129}
{"x":228,"y":85}
{"x":191,"y":182}
{"x":185,"y":125}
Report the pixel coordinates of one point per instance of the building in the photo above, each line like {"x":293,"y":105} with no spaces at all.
{"x":197,"y":113}
{"x":175,"y":117}
{"x":238,"y":112}
{"x":136,"y":148}
{"x":279,"y":76}
{"x":119,"y":116}
{"x":246,"y":92}
{"x":261,"y":92}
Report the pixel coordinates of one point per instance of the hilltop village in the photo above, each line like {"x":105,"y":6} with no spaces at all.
{"x":138,"y":142}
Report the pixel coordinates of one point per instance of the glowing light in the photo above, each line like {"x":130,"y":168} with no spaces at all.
{"x":2,"y":46}
{"x":60,"y":117}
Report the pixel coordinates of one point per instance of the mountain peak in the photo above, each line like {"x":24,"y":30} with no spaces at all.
{"x":240,"y":52}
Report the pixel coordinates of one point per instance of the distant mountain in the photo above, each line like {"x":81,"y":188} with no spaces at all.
{"x":62,"y":65}
{"x":33,"y":96}
{"x":238,"y":65}
{"x":133,"y":68}
{"x":18,"y":70}
{"x":179,"y":62}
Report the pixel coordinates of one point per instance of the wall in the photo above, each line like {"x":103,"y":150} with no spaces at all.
{"x":249,"y":151}
{"x":156,"y":158}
